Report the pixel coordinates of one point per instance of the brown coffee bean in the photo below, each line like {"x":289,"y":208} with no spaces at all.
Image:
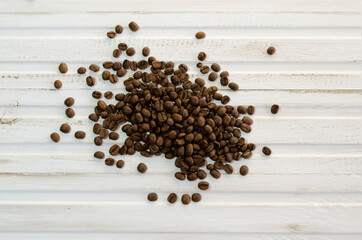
{"x":96,"y":94}
{"x":55,"y":137}
{"x":212,"y":76}
{"x":108,"y":95}
{"x":65,"y":128}
{"x":200,"y":82}
{"x":120,"y":164}
{"x":98,"y":141}
{"x":201,"y":174}
{"x":185,"y":199}
{"x":251,"y":110}
{"x":121,"y":72}
{"x":202,"y":56}
{"x":215,"y":67}
{"x":113,"y":78}
{"x":94,"y":67}
{"x":204,"y":69}
{"x":233,"y":86}
{"x":224,"y":74}
{"x":118,"y":29}
{"x":203,"y":185}
{"x":122,"y":46}
{"x":103,"y":133}
{"x":228,"y":169}
{"x":200,"y":35}
{"x":210,"y":166}
{"x":69,"y":101}
{"x":152,"y":197}
{"x":133,"y":26}
{"x":196,"y":197}
{"x":82,"y":70}
{"x":113,"y":136}
{"x":274,"y":109}
{"x":266,"y":151}
{"x":69,"y":112}
{"x":270,"y":50}
{"x":58,"y":84}
{"x":244,"y":170}
{"x":191,"y":177}
{"x":247,"y":120}
{"x":91,"y":81}
{"x":199,"y":65}
{"x":146,"y":51}
{"x":215,"y":173}
{"x":99,"y":155}
{"x":224,"y":81}
{"x":116,"y":53}
{"x":63,"y":68}
{"x":225,"y":99}
{"x":97,"y":128}
{"x":111,"y":34}
{"x":109,"y":161}
{"x":142,"y":168}
{"x":172,"y":198}
{"x":79,"y":134}
{"x":130,"y":51}
{"x":114,"y":150}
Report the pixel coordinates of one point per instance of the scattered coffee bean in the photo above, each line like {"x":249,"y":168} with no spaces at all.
{"x":91,"y":81}
{"x":63,"y":68}
{"x":215,"y":67}
{"x":98,"y":141}
{"x":99,"y":155}
{"x":69,"y":101}
{"x":172,"y":198}
{"x":117,"y":53}
{"x":55,"y":137}
{"x":251,"y":110}
{"x":109,"y":161}
{"x":200,"y":35}
{"x":130,"y":51}
{"x":201,"y":174}
{"x":266,"y":151}
{"x":180,"y":176}
{"x":64,"y":128}
{"x":133,"y":26}
{"x":58,"y":84}
{"x":244,"y":170}
{"x":122,"y":46}
{"x":79,"y":134}
{"x":203,"y":185}
{"x":215,"y":173}
{"x":120,"y":164}
{"x":233,"y":86}
{"x":146,"y":51}
{"x":96,"y":94}
{"x":242,"y":109}
{"x":271,"y":50}
{"x":185,"y":199}
{"x":82,"y":70}
{"x":199,"y":65}
{"x":152,"y":197}
{"x":212,"y":76}
{"x":113,"y":136}
{"x":204,"y":69}
{"x":228,"y":169}
{"x":118,"y":29}
{"x":111,"y":34}
{"x":247,"y":120}
{"x":142,"y":168}
{"x":224,"y":81}
{"x":274,"y":109}
{"x":202,"y":56}
{"x":196,"y":197}
{"x":69,"y":112}
{"x":94,"y":67}
{"x":108,"y":95}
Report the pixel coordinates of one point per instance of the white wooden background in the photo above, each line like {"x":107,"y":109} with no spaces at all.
{"x":309,"y":188}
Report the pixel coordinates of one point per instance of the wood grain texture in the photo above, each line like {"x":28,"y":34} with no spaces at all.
{"x":310,"y":188}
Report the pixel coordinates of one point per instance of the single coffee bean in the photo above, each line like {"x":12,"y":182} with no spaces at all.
{"x":108,"y":95}
{"x":122,"y":46}
{"x":142,"y":168}
{"x":113,"y":135}
{"x":242,"y":109}
{"x":200,"y":35}
{"x":99,"y":155}
{"x":69,"y":102}
{"x":118,"y":29}
{"x":199,"y":65}
{"x":146,"y":51}
{"x":55,"y":137}
{"x":233,"y":86}
{"x":82,"y":70}
{"x":63,"y":68}
{"x":114,"y":150}
{"x":247,"y":120}
{"x":111,"y":34}
{"x":215,"y":173}
{"x":212,"y":76}
{"x":196,"y":197}
{"x":191,"y":177}
{"x":133,"y":26}
{"x":225,"y":99}
{"x":96,"y":94}
{"x":152,"y":197}
{"x":109,"y":161}
{"x":121,"y":72}
{"x":224,"y":81}
{"x":203,"y":185}
{"x":172,"y":198}
{"x":228,"y":169}
{"x":91,"y":81}
{"x":79,"y":134}
{"x":202,"y":56}
{"x":251,"y":110}
{"x":270,"y":50}
{"x":204,"y":69}
{"x":200,"y":81}
{"x":210,"y":166}
{"x":98,"y":141}
{"x":58,"y":84}
{"x":69,"y":112}
{"x":64,"y":128}
{"x":116,"y":53}
{"x":266,"y":151}
{"x":97,"y":128}
{"x":251,"y":146}
{"x":180,"y":176}
{"x":94,"y":67}
{"x":201,"y":174}
{"x":120,"y":164}
{"x":107,"y":65}
{"x":274,"y":109}
{"x":130,"y":51}
{"x":215,"y":67}
{"x":224,"y":74}
{"x":244,"y":170}
{"x":103,"y":133}
{"x":185,"y":199}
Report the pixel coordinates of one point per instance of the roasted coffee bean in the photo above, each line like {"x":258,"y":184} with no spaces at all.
{"x":99,"y":155}
{"x":113,"y":136}
{"x":212,"y":76}
{"x":114,"y":150}
{"x":69,"y":112}
{"x":146,"y":51}
{"x":111,"y":34}
{"x":224,"y":74}
{"x":130,"y":51}
{"x":96,"y":94}
{"x":200,"y":35}
{"x":233,"y":86}
{"x":204,"y":69}
{"x":251,"y":146}
{"x":94,"y":67}
{"x":202,"y":56}
{"x":191,"y":177}
{"x":108,"y":95}
{"x":183,"y":68}
{"x":120,"y":164}
{"x":180,"y":176}
{"x":58,"y":84}
{"x":244,"y":170}
{"x":118,"y":29}
{"x":63,"y":68}
{"x":133,"y":26}
{"x":196,"y":197}
{"x":91,"y":81}
{"x":203,"y":185}
{"x":82,"y":70}
{"x":172,"y":198}
{"x":242,"y":109}
{"x":199,"y":65}
{"x":107,"y":65}
{"x":247,"y":120}
{"x":210,"y":166}
{"x":228,"y":169}
{"x":116,"y":53}
{"x":55,"y":137}
{"x":225,"y":99}
{"x":200,"y":82}
{"x":251,"y":110}
{"x":215,"y":67}
{"x":201,"y":174}
{"x":79,"y":134}
{"x":266,"y":151}
{"x":103,"y":133}
{"x":109,"y":161}
{"x":142,"y":168}
{"x":98,"y":141}
{"x":69,"y":102}
{"x":121,"y":72}
{"x":185,"y":199}
{"x":274,"y":109}
{"x":113,"y":78}
{"x":65,"y":128}
{"x":224,"y":81}
{"x":270,"y":50}
{"x":215,"y":173}
{"x":122,"y":46}
{"x":97,"y":128}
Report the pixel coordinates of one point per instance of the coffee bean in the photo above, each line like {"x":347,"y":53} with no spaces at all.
{"x":103,"y":133}
{"x":91,"y":81}
{"x":94,"y":67}
{"x":111,"y":34}
{"x":98,"y":141}
{"x":96,"y":94}
{"x":65,"y":128}
{"x":266,"y":151}
{"x":116,"y":53}
{"x":55,"y":137}
{"x":196,"y":197}
{"x":113,"y":135}
{"x":82,"y":70}
{"x":58,"y":84}
{"x":242,"y":109}
{"x":109,"y":161}
{"x":244,"y":170}
{"x":79,"y":134}
{"x":142,"y":168}
{"x":209,"y":166}
{"x":120,"y":164}
{"x":200,"y":82}
{"x":204,"y":69}
{"x":63,"y":68}
{"x":201,"y":174}
{"x":152,"y":197}
{"x":130,"y":51}
{"x":247,"y":120}
{"x":215,"y":173}
{"x":233,"y":86}
{"x":69,"y":101}
{"x":225,"y":99}
{"x":199,"y":65}
{"x":251,"y":110}
{"x":133,"y":26}
{"x":212,"y":76}
{"x":202,"y":56}
{"x":228,"y":169}
{"x":271,"y":50}
{"x":99,"y":155}
{"x":203,"y":185}
{"x":224,"y":81}
{"x":200,"y":35}
{"x":183,"y":68}
{"x":274,"y":109}
{"x":224,"y":74}
{"x":146,"y":51}
{"x":69,"y":112}
{"x":121,"y":72}
{"x":114,"y":150}
{"x":122,"y":46}
{"x":191,"y":177}
{"x":108,"y":95}
{"x":180,"y":176}
{"x":118,"y":29}
{"x":113,"y":78}
{"x":172,"y":198}
{"x":215,"y":67}
{"x":185,"y":199}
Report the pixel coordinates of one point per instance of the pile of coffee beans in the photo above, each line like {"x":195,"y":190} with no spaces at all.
{"x":165,"y":112}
